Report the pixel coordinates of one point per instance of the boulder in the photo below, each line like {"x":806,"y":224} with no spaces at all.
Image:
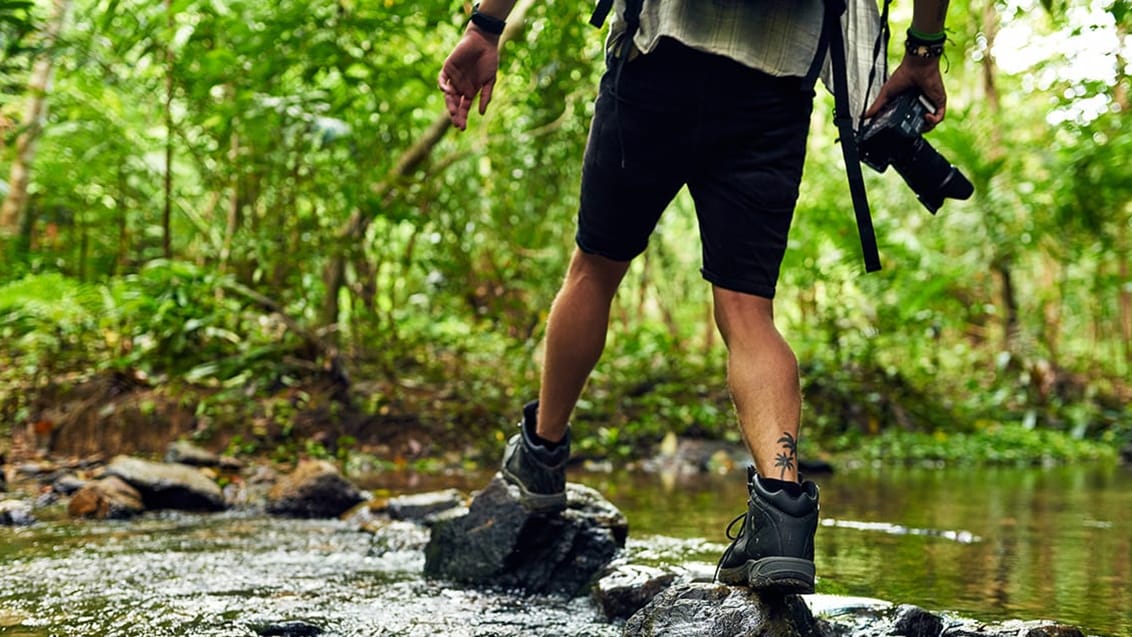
{"x":699,"y":609}
{"x":420,"y":507}
{"x":108,"y":499}
{"x":628,"y":588}
{"x":913,"y":621}
{"x":168,"y":485}
{"x":185,"y":452}
{"x":314,"y":490}
{"x":15,"y":513}
{"x":501,"y":544}
{"x":67,"y":484}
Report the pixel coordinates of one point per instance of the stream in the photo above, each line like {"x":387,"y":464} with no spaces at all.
{"x":991,"y":544}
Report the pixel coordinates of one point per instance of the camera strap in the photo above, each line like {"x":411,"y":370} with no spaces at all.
{"x":833,"y":41}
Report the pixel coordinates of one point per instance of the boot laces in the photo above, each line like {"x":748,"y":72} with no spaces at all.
{"x":742,"y":518}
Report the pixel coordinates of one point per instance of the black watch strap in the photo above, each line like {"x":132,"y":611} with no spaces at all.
{"x":489,"y":24}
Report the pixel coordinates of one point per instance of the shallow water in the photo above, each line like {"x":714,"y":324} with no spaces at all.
{"x":992,"y":544}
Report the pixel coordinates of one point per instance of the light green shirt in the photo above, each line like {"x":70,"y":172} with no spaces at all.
{"x":779,"y":37}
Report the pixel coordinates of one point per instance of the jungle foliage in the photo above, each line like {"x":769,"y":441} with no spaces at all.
{"x":243,"y":200}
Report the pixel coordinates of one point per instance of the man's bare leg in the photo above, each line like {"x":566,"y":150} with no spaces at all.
{"x":762,"y":374}
{"x":575,"y":337}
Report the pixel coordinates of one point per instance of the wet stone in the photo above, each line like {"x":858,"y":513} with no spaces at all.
{"x":629,"y":588}
{"x":288,"y":629}
{"x":913,"y":621}
{"x":168,"y":485}
{"x":15,"y":513}
{"x":421,"y":506}
{"x":315,"y":490}
{"x":500,"y":544}
{"x":67,"y":484}
{"x":108,"y":499}
{"x":717,"y":610}
{"x":185,"y":452}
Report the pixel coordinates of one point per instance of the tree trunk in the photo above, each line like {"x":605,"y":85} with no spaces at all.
{"x":14,"y":208}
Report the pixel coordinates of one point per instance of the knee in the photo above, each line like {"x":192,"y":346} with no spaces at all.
{"x":738,"y":314}
{"x":596,"y":271}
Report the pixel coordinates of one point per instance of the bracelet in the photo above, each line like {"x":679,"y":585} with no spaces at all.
{"x":927,"y":37}
{"x":490,"y":24}
{"x":924,"y":45}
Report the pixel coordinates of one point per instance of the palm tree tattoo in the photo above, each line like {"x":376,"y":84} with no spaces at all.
{"x":785,"y":460}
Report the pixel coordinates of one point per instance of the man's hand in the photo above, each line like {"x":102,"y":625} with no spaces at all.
{"x":469,"y":69}
{"x":915,"y":72}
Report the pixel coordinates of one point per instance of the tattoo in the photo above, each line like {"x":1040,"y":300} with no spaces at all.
{"x":786,"y":459}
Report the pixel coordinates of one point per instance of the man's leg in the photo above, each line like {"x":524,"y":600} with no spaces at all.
{"x":762,"y":374}
{"x":575,"y":337}
{"x":535,"y":458}
{"x":774,"y":548}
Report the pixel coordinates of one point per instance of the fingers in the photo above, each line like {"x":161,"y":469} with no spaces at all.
{"x":485,"y":95}
{"x":457,"y":101}
{"x":881,"y":100}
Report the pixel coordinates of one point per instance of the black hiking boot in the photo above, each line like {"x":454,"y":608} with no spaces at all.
{"x":538,"y":469}
{"x":774,"y":549}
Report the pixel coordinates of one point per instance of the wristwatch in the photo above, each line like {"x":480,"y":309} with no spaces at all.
{"x":490,"y":24}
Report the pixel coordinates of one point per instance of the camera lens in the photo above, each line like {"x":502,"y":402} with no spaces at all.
{"x":930,"y":175}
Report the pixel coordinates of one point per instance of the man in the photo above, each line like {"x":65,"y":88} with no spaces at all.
{"x":709,"y":96}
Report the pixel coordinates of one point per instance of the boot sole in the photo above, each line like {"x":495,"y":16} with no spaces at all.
{"x":784,"y":575}
{"x":535,"y":502}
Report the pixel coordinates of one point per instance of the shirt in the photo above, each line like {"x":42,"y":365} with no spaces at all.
{"x":779,"y":37}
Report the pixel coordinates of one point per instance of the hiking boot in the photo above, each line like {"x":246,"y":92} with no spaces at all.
{"x":538,"y":469}
{"x":774,"y":549}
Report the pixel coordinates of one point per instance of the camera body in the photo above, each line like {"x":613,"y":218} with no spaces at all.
{"x":895,"y":137}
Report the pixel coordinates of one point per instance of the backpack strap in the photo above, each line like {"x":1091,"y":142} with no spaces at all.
{"x":601,"y":11}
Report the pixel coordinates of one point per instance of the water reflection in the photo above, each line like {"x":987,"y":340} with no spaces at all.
{"x":992,"y":543}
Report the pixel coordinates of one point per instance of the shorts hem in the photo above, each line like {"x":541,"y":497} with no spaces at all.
{"x":738,"y":285}
{"x":608,"y":254}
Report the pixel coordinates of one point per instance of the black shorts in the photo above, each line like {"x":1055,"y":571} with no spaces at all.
{"x":734,"y":135}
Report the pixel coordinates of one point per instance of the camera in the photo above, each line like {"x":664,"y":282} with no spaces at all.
{"x":895,"y":137}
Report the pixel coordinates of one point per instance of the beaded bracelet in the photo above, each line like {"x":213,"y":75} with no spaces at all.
{"x":924,"y":45}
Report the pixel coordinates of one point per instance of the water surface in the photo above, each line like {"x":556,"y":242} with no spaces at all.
{"x":990,"y":544}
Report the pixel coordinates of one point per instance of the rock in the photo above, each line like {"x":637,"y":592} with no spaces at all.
{"x":110,"y":498}
{"x":67,"y":484}
{"x":185,"y":452}
{"x":1126,"y":454}
{"x":315,"y":490}
{"x":288,"y":629}
{"x":397,"y":536}
{"x":420,"y":507}
{"x":15,"y":513}
{"x":628,"y":589}
{"x":913,"y":621}
{"x":909,"y":621}
{"x":716,"y":610}
{"x":498,"y":543}
{"x":168,"y":485}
